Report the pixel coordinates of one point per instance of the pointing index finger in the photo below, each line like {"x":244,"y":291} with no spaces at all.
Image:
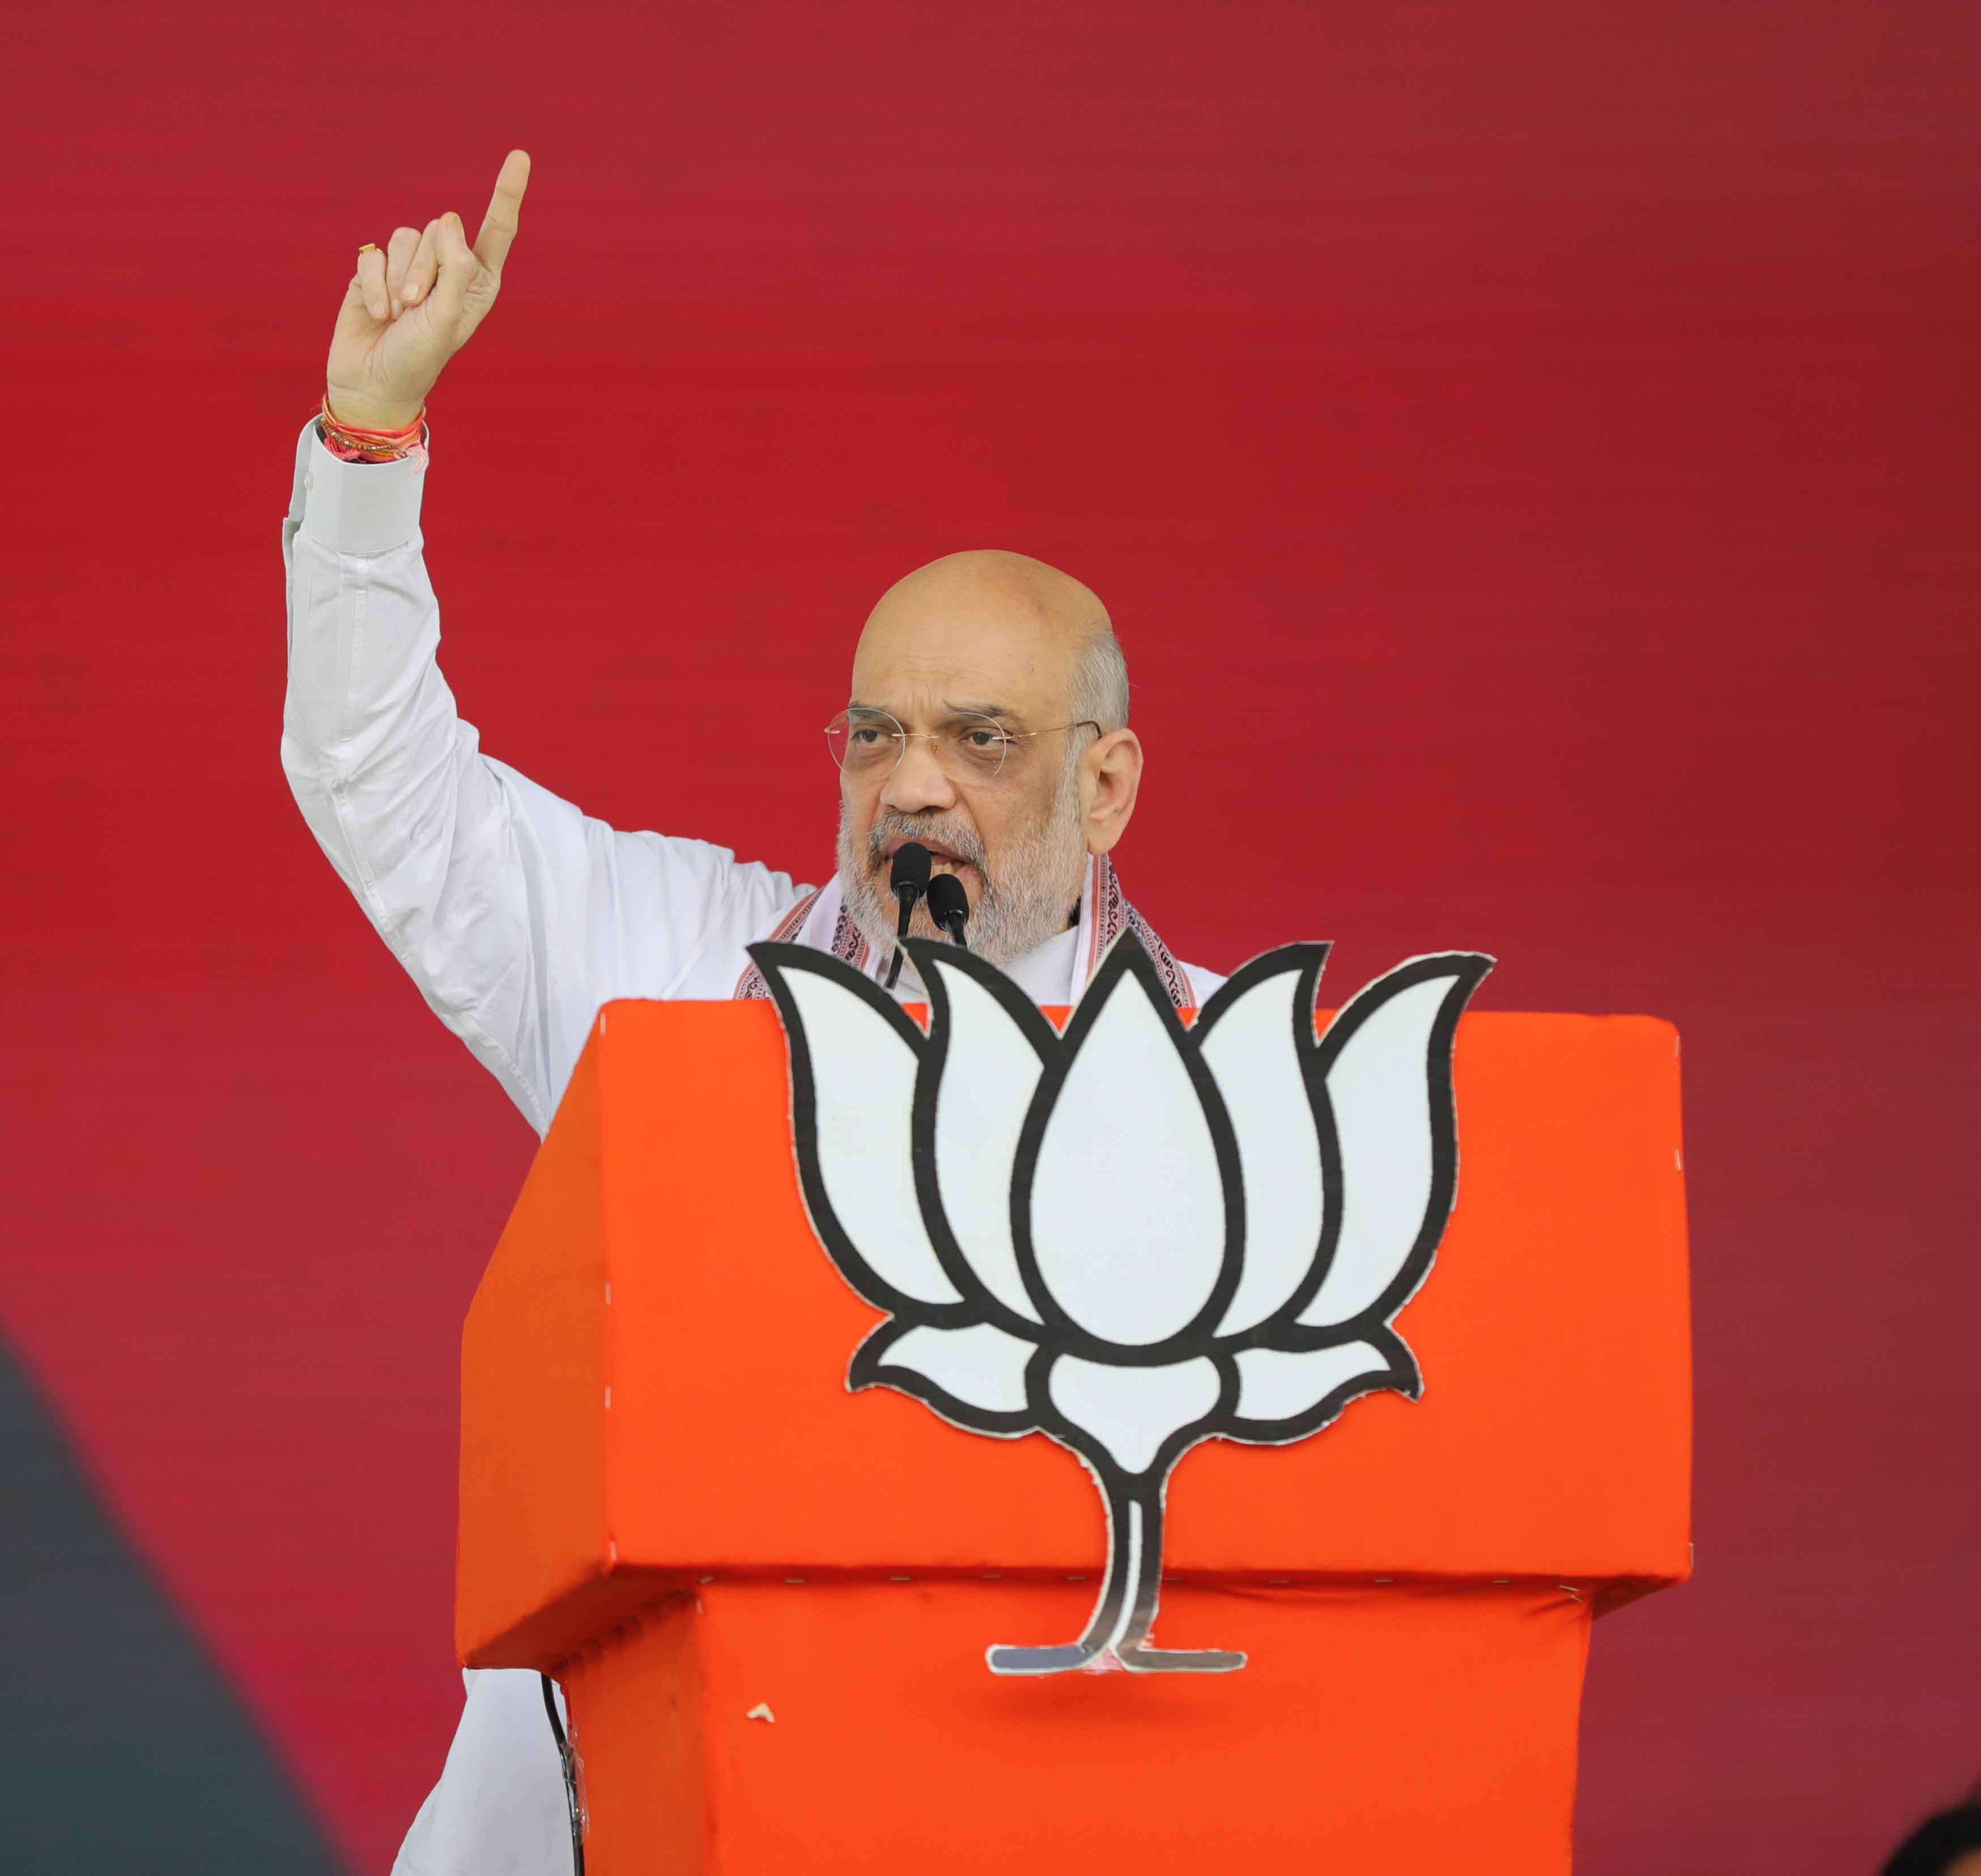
{"x":499,"y":225}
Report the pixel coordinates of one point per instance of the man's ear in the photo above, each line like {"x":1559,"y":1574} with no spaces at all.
{"x":1110,"y":776}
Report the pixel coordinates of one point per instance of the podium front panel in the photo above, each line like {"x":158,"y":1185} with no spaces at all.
{"x":654,"y":1366}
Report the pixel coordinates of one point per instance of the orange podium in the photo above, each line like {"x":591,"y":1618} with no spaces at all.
{"x":768,"y":1599}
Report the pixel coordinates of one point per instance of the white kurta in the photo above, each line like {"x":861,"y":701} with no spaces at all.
{"x":517,"y":916}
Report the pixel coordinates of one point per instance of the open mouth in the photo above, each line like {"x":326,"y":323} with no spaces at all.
{"x":941,"y":859}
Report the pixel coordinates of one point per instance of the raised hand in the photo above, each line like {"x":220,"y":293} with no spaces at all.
{"x":411,"y":305}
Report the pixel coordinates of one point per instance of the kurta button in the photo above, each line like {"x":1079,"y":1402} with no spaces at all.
{"x":309,"y":478}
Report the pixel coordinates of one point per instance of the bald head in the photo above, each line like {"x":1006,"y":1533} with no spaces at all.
{"x":988,"y":627}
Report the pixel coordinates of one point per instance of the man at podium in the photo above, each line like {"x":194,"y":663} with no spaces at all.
{"x":987,"y":721}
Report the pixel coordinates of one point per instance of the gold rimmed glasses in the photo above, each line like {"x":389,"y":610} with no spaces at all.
{"x":867,"y":744}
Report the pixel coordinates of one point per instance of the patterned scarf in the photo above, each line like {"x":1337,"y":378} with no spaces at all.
{"x":820,"y":919}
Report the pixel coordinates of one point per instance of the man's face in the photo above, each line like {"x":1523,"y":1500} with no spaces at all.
{"x":951,"y":643}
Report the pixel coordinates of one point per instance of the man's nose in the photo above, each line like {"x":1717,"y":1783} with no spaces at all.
{"x":917,"y":783}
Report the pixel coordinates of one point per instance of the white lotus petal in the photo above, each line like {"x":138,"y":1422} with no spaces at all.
{"x":989,"y":1076}
{"x":1279,"y":1384}
{"x":863,"y":1075}
{"x":1132,"y":1410}
{"x":1380,"y":1087}
{"x":1250,"y":1052}
{"x":981,"y":1366}
{"x":1127,"y":1208}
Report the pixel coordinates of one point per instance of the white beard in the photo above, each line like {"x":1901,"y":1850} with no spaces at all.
{"x":1029,"y":898}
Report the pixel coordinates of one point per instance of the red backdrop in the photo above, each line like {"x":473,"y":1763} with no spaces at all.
{"x":1529,"y":452}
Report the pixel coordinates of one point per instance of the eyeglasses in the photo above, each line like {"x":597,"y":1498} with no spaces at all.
{"x":868,"y":744}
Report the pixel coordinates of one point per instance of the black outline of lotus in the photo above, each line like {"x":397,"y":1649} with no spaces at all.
{"x":1332,"y":1355}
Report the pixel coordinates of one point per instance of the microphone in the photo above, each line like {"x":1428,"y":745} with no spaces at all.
{"x":949,"y":905}
{"x":907,"y":879}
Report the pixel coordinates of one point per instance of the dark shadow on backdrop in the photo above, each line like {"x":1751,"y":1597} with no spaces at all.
{"x":122,"y":1748}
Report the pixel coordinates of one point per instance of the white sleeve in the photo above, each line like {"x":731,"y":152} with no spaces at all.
{"x":515,"y":915}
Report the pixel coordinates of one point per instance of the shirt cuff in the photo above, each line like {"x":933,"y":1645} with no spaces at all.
{"x":360,"y":508}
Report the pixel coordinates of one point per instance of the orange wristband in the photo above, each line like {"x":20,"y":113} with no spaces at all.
{"x":352,"y":443}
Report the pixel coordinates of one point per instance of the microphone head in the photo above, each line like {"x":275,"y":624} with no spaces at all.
{"x":909,"y":875}
{"x":947,"y":902}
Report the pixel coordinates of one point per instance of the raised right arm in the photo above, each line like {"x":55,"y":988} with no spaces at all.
{"x":515,"y":915}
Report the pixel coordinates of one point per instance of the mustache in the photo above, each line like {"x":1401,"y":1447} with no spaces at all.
{"x":956,"y":837}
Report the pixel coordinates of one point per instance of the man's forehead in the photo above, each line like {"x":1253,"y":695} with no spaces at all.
{"x":964,"y":666}
{"x":979,"y":626}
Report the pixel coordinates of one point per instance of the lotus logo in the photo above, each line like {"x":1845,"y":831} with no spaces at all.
{"x":1135,"y":1236}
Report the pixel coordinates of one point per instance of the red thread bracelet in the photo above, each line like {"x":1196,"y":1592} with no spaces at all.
{"x":355,"y":443}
